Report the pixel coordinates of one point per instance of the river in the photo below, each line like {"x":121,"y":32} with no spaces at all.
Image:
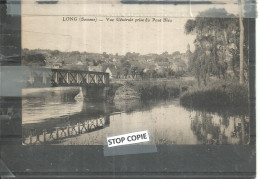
{"x":50,"y":120}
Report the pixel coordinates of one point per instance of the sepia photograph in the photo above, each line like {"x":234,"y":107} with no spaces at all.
{"x":89,"y":77}
{"x":128,"y":88}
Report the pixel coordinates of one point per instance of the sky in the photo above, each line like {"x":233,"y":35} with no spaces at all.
{"x":43,"y":27}
{"x":50,"y":32}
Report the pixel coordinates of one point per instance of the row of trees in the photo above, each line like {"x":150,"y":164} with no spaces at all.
{"x":220,"y":44}
{"x":135,"y":72}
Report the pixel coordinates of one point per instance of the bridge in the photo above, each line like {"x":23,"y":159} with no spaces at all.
{"x":94,"y":84}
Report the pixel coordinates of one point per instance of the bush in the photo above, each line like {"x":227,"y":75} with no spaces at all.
{"x":153,"y":89}
{"x":216,"y":97}
{"x":156,"y":90}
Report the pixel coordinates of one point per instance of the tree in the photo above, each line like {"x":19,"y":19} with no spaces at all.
{"x":125,"y":64}
{"x":125,"y":72}
{"x":154,"y":74}
{"x":165,"y":54}
{"x":55,"y":52}
{"x":105,"y":55}
{"x":176,"y":53}
{"x":131,"y":56}
{"x":118,"y":74}
{"x":215,"y":39}
{"x":161,"y":59}
{"x":141,"y":72}
{"x":200,"y":66}
{"x":169,"y":72}
{"x":134,"y":71}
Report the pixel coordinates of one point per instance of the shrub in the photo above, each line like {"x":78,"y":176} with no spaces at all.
{"x":216,"y":97}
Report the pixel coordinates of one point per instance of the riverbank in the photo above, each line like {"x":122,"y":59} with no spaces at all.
{"x":218,"y":96}
{"x":146,"y":90}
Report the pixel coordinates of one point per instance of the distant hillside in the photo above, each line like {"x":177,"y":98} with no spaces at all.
{"x":125,"y":65}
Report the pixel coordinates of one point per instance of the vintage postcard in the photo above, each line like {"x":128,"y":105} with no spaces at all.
{"x":95,"y":70}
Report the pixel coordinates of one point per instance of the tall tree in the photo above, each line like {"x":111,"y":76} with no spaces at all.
{"x":216,"y":44}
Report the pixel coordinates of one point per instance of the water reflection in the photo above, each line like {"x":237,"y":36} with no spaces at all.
{"x":214,"y":129}
{"x":89,"y":123}
{"x":129,"y":106}
{"x":50,"y":122}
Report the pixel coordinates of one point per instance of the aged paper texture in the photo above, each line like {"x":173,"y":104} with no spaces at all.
{"x":100,"y":69}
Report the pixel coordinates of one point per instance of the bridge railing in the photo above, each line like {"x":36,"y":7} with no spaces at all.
{"x":79,"y":78}
{"x":41,"y":77}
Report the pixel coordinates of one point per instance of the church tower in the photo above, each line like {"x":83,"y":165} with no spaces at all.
{"x":188,"y":47}
{"x":188,"y":55}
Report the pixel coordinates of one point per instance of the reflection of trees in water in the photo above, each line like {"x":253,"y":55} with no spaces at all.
{"x":225,"y":120}
{"x":241,"y":130}
{"x":213,"y":129}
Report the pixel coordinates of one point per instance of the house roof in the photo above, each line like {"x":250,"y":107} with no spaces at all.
{"x":112,"y":69}
{"x":95,"y":68}
{"x":79,"y":63}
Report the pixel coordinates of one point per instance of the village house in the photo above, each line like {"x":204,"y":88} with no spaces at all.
{"x":79,"y":65}
{"x":113,"y":72}
{"x":146,"y":70}
{"x":57,"y":65}
{"x":79,"y":62}
{"x":162,"y":65}
{"x":95,"y":68}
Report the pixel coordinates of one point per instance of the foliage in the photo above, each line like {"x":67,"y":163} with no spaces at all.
{"x":216,"y":44}
{"x":158,"y":89}
{"x":219,"y":95}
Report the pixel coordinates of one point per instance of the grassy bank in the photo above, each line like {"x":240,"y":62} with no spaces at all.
{"x":154,"y":89}
{"x":157,"y":90}
{"x":217,"y":96}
